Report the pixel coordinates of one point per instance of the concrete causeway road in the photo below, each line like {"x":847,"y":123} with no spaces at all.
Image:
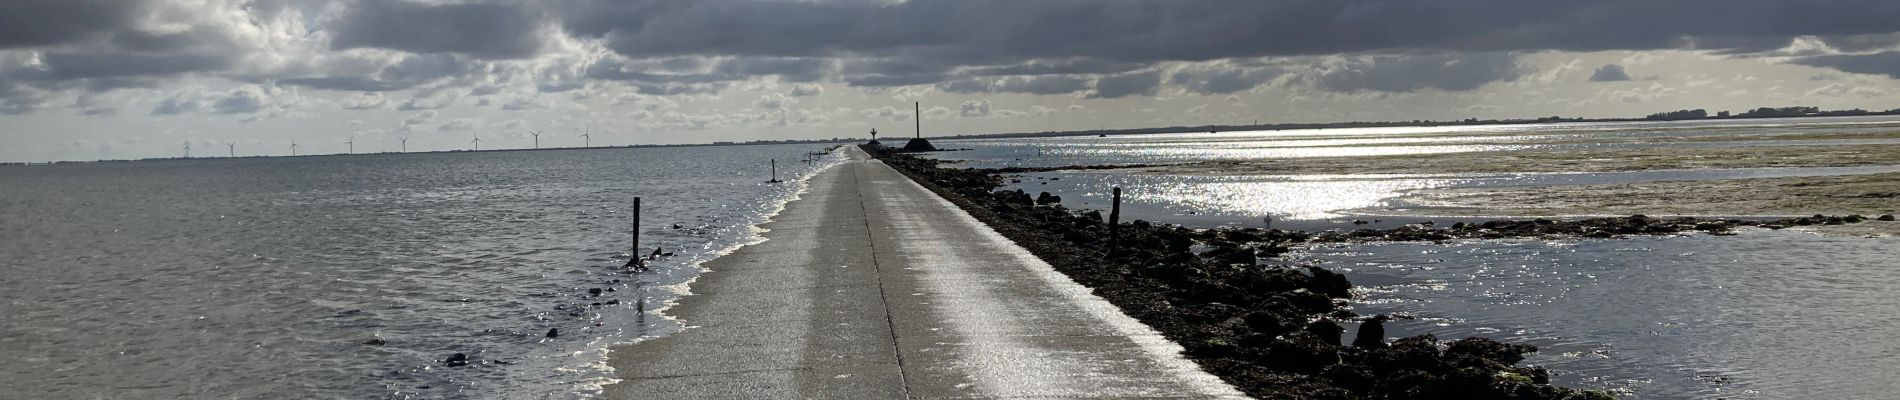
{"x":871,"y":287}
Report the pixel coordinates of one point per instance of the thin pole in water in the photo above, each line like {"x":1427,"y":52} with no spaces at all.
{"x":1115,"y":221}
{"x":633,"y":260}
{"x":774,"y":172}
{"x":636,"y":226}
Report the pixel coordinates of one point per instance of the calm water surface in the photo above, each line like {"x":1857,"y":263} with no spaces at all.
{"x":261,"y":278}
{"x":1761,"y":315}
{"x":1357,"y":142}
{"x":1333,"y":201}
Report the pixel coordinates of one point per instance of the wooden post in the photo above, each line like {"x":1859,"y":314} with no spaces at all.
{"x":1115,"y":221}
{"x":636,"y":231}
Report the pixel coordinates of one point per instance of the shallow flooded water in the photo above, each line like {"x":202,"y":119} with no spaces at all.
{"x":262,"y":278}
{"x":1361,"y":142}
{"x":1210,"y":196}
{"x":1760,"y":315}
{"x":1323,"y":201}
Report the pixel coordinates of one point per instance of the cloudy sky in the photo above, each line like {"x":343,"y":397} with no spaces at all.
{"x":113,"y":79}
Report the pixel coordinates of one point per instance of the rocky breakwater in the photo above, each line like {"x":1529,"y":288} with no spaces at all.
{"x":1271,"y":329}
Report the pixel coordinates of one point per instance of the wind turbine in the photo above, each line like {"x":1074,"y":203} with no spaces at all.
{"x":587,"y":139}
{"x":293,"y":147}
{"x":352,"y":143}
{"x":405,"y":144}
{"x":187,"y":149}
{"x":537,"y":138}
{"x":233,"y":148}
{"x":477,"y":142}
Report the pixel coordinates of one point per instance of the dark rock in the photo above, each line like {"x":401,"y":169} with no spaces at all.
{"x":376,"y":341}
{"x":1268,"y":322}
{"x":1356,"y":378}
{"x":1301,"y":353}
{"x":554,"y":332}
{"x":456,"y":360}
{"x":1046,"y":199}
{"x":1371,"y":333}
{"x":1329,"y":283}
{"x":1489,"y":350}
{"x":1885,"y":217}
{"x":1326,"y":330}
{"x":594,"y":291}
{"x":1305,"y":301}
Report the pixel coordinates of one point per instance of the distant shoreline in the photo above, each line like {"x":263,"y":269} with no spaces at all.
{"x":1129,"y":131}
{"x":1413,"y":123}
{"x":635,"y":146}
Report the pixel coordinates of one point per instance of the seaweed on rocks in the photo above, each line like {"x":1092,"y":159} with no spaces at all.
{"x":1270,"y":330}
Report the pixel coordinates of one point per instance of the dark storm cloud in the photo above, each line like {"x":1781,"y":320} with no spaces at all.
{"x":1057,"y":67}
{"x":1610,"y":73}
{"x":107,"y":65}
{"x":993,"y":32}
{"x":98,"y":45}
{"x":1104,"y":48}
{"x":28,"y":23}
{"x":477,"y":29}
{"x":893,"y":72}
{"x":965,"y":86}
{"x":1882,"y":63}
{"x":1131,"y":84}
{"x":667,"y":89}
{"x":177,"y":105}
{"x":1453,"y":72}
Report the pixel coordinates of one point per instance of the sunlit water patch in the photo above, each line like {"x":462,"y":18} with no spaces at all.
{"x":263,"y":278}
{"x":1299,"y":201}
{"x":1761,"y":315}
{"x":1357,"y":142}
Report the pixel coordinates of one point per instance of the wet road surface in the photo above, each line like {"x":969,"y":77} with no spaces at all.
{"x":870,"y":286}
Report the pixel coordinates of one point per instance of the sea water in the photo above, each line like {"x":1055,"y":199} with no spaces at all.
{"x":264,"y":277}
{"x":1759,"y":315}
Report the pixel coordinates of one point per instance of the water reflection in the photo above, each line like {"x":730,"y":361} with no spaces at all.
{"x":1309,"y":143}
{"x":1294,"y":198}
{"x":1762,"y":315}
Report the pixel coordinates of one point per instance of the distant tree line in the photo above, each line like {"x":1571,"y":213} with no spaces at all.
{"x":1680,"y":114}
{"x":1766,"y":112}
